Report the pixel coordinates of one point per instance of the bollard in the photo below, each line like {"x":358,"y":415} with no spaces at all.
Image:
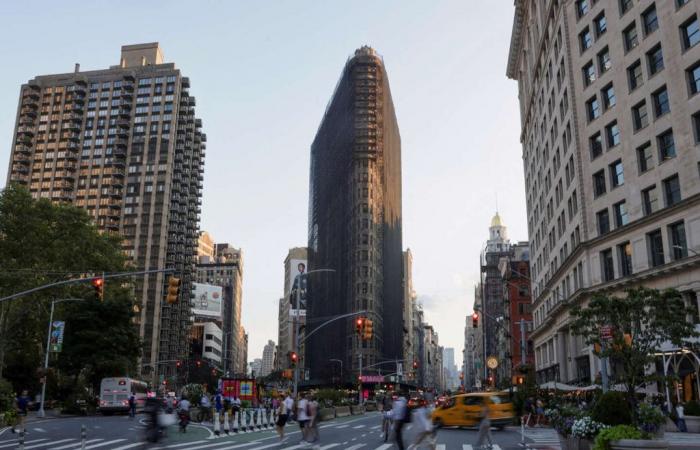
{"x":264,"y":424}
{"x":257,"y":420}
{"x":217,"y":425}
{"x":235,"y":421}
{"x":83,"y":436}
{"x":522,"y":432}
{"x":273,"y":419}
{"x":21,"y":439}
{"x":251,"y":422}
{"x":226,"y":425}
{"x":244,"y":421}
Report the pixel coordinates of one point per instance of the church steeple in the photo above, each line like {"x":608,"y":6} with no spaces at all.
{"x":498,"y":235}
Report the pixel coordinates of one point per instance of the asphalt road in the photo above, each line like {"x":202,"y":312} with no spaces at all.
{"x":350,"y":433}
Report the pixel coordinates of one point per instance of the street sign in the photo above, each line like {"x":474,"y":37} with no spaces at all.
{"x":606,"y":332}
{"x":372,"y":378}
{"x":297,"y":313}
{"x":399,"y":369}
{"x":477,"y":383}
{"x":57,"y":329}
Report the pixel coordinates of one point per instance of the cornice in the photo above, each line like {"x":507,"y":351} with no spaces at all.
{"x":516,"y":39}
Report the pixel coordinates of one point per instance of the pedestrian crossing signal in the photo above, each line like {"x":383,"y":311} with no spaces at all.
{"x":367,"y":330}
{"x":173,"y":290}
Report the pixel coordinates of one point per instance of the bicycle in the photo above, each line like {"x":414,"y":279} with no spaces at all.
{"x":387,"y":425}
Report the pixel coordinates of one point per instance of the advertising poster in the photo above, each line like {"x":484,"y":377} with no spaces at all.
{"x":298,"y":267}
{"x":57,"y":329}
{"x":243,"y":389}
{"x":207,"y":300}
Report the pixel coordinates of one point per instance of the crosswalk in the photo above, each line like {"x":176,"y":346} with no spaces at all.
{"x":71,"y":444}
{"x":543,"y":438}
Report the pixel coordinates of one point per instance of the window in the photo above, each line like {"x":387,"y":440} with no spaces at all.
{"x":624,"y":256}
{"x":655,"y":245}
{"x":672,"y":190}
{"x":690,"y":33}
{"x":667,"y":146}
{"x":621,"y":216}
{"x":593,"y":108}
{"x":644,"y":157}
{"x":608,"y":94}
{"x":612,"y":132}
{"x":603,"y":221}
{"x":661,"y":104}
{"x":588,"y":74}
{"x":606,"y":265}
{"x":651,"y":20}
{"x":599,"y":183}
{"x":585,"y":39}
{"x":680,"y":3}
{"x":650,"y":198}
{"x":629,"y":36}
{"x":679,"y":245}
{"x":625,"y":6}
{"x":616,"y":174}
{"x":694,"y":79}
{"x":655,"y":60}
{"x":634,"y":75}
{"x":639,"y":116}
{"x":582,"y":8}
{"x":596,"y":144}
{"x":601,"y":25}
{"x":604,"y":60}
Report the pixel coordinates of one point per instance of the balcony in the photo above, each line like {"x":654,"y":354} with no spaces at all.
{"x":82,"y":82}
{"x":121,"y":122}
{"x":72,"y":146}
{"x":74,"y":117}
{"x":65,"y":175}
{"x":30,"y":96}
{"x":119,"y":153}
{"x":185,"y":82}
{"x":23,"y":149}
{"x":73,"y":136}
{"x":121,"y":142}
{"x":20,"y":178}
{"x":26,"y":121}
{"x":28,"y":111}
{"x":113,"y":203}
{"x":22,"y":158}
{"x":127,"y":86}
{"x":79,"y":98}
{"x":70,"y":166}
{"x":20,"y":169}
{"x":77,"y":108}
{"x":79,"y":89}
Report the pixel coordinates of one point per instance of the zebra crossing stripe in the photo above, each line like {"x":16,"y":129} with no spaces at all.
{"x":183,"y":445}
{"x":102,"y":444}
{"x":237,"y":445}
{"x":440,"y":447}
{"x":342,"y":426}
{"x":217,"y":445}
{"x":13,"y":444}
{"x":355,"y":447}
{"x":357,"y":427}
{"x":47,"y":443}
{"x":73,"y":445}
{"x":384,"y":447}
{"x":329,"y":446}
{"x":125,"y":447}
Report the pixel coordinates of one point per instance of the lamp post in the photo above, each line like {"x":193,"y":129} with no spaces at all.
{"x":297,"y":325}
{"x":42,"y":412}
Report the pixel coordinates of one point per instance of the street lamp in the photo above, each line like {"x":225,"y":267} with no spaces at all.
{"x":41,"y":412}
{"x":297,"y":340}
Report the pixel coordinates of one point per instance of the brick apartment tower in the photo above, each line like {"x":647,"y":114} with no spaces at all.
{"x":355,"y":221}
{"x":124,"y":144}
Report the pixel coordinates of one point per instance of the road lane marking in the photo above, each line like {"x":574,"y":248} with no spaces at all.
{"x":467,"y":447}
{"x":102,"y":444}
{"x":40,"y":430}
{"x":238,"y":445}
{"x":13,"y":444}
{"x":276,"y":444}
{"x":73,"y":445}
{"x":442,"y":447}
{"x":384,"y":447}
{"x":357,"y":427}
{"x":329,"y":446}
{"x":48,"y":443}
{"x":182,"y":445}
{"x":342,"y":426}
{"x":355,"y":447}
{"x":125,"y":447}
{"x":218,"y":445}
{"x":376,"y":427}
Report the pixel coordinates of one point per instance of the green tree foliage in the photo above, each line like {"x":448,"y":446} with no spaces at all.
{"x":641,"y":322}
{"x":611,"y":408}
{"x":42,"y":242}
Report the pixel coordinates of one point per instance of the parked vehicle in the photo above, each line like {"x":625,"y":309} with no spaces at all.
{"x":464,"y":410}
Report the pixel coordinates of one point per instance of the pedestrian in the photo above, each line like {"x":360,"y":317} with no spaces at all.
{"x":289,"y":405}
{"x":528,"y":409}
{"x":183,"y":408}
{"x":218,"y":402}
{"x":312,"y":435}
{"x":484,"y":428}
{"x":540,"y":411}
{"x":21,"y":405}
{"x":401,"y":415}
{"x":426,"y":432}
{"x":680,"y":421}
{"x":302,"y":416}
{"x":236,"y":404}
{"x":132,"y":406}
{"x":205,"y":405}
{"x":282,"y":414}
{"x":386,"y":402}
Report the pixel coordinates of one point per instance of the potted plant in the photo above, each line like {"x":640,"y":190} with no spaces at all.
{"x":651,"y":419}
{"x":562,"y":419}
{"x":584,"y":430}
{"x":626,"y":437}
{"x":691,"y":410}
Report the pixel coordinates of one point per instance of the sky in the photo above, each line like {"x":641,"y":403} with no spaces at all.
{"x":263,"y":72}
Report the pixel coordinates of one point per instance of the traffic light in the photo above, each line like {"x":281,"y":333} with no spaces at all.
{"x":198,"y":363}
{"x":521,"y":380}
{"x":475,"y":320}
{"x":173,"y":290}
{"x":98,"y":284}
{"x":359,"y":325}
{"x":293,"y":359}
{"x":415,"y":364}
{"x":178,"y":363}
{"x":367,"y":330}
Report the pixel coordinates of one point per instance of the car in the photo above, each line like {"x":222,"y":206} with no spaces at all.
{"x":464,"y":410}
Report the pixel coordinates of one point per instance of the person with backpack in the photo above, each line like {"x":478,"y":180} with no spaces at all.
{"x":282,"y":414}
{"x":401,"y":415}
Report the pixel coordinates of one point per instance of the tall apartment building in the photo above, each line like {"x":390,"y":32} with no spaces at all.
{"x":124,"y":144}
{"x":268,"y":358}
{"x":610,"y":130}
{"x":355,"y":219}
{"x":285,"y":324}
{"x":225,"y":269}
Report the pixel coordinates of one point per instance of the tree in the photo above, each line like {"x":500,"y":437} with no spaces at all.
{"x":640,"y":323}
{"x":43,"y":242}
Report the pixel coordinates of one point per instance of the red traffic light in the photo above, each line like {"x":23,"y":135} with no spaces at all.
{"x":199,"y":363}
{"x":415,"y":364}
{"x":98,"y":285}
{"x":475,"y":320}
{"x":178,"y":363}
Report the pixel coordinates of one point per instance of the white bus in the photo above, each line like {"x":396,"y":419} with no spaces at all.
{"x":115,"y":392}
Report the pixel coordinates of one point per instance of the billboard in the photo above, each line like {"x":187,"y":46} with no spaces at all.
{"x":207,"y":300}
{"x":57,"y":329}
{"x":298,"y":266}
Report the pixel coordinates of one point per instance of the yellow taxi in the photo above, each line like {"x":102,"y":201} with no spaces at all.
{"x":464,"y":410}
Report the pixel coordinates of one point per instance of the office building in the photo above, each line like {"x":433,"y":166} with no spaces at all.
{"x":268,"y":358}
{"x":610,"y":121}
{"x":355,"y":221}
{"x":124,"y":144}
{"x":286,"y":327}
{"x":205,"y":245}
{"x":409,"y":301}
{"x":225,"y":270}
